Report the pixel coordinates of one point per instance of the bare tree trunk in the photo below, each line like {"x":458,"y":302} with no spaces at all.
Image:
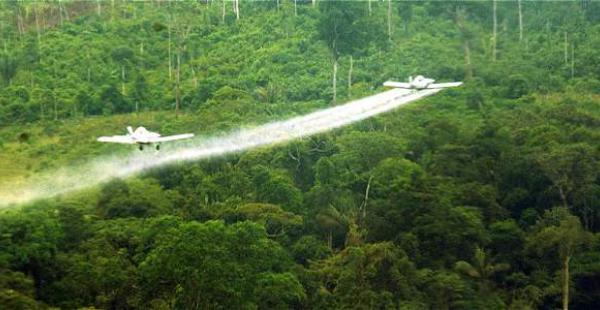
{"x":389,"y":20}
{"x":112,"y":10}
{"x":563,"y":197}
{"x":566,"y":49}
{"x":367,"y":197}
{"x":64,"y":9}
{"x":572,"y":60}
{"x":335,"y":64}
{"x":295,"y":7}
{"x":494,"y":30}
{"x":565,"y":286}
{"x":460,"y":15}
{"x":468,"y":67}
{"x":350,"y":77}
{"x":20,"y":24}
{"x":98,"y":7}
{"x":177,"y":91}
{"x":37,"y":25}
{"x":370,"y":8}
{"x":123,"y":80}
{"x":195,"y":77}
{"x":142,"y":55}
{"x":314,"y":2}
{"x":237,"y":9}
{"x":89,"y":67}
{"x":55,"y":108}
{"x":169,"y":29}
{"x":223,"y":12}
{"x":60,"y":12}
{"x":520,"y":21}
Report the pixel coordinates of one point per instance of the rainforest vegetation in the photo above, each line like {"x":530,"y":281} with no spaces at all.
{"x":482,"y":197}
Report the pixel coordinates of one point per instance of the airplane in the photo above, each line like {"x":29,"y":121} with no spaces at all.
{"x":142,"y":136}
{"x":420,"y":82}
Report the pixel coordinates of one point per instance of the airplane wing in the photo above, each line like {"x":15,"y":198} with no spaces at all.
{"x":172,"y":138}
{"x":396,"y":84}
{"x":116,"y":139}
{"x":444,"y":85}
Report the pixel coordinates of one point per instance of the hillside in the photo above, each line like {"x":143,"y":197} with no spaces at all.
{"x":481,"y":197}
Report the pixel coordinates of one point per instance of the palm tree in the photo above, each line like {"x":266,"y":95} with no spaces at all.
{"x":330,"y":219}
{"x":482,"y":269}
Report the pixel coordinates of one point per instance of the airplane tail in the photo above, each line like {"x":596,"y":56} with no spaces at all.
{"x":130,"y":130}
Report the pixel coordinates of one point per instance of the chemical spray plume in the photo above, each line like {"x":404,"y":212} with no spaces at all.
{"x":105,"y":168}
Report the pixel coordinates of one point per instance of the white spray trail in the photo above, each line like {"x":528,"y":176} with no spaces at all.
{"x":102,"y":169}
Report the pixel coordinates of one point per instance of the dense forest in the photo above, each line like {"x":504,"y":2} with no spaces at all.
{"x":485,"y":196}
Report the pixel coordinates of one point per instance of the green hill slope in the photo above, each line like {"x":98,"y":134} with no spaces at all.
{"x":478,"y":197}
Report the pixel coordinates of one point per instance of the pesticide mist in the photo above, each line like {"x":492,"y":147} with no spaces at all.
{"x":102,"y":169}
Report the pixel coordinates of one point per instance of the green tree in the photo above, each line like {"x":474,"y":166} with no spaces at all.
{"x":135,"y":198}
{"x":370,"y":276}
{"x":405,"y":10}
{"x":569,"y":167}
{"x":123,"y":55}
{"x":331,"y":220}
{"x":337,"y":26}
{"x":482,"y":269}
{"x":213,"y":265}
{"x":456,"y":230}
{"x":275,"y":220}
{"x":17,"y":291}
{"x":560,"y":233}
{"x":8,"y":67}
{"x":140,"y":91}
{"x":114,"y":101}
{"x":444,"y":289}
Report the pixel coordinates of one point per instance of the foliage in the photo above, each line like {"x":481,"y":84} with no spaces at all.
{"x":449,"y":203}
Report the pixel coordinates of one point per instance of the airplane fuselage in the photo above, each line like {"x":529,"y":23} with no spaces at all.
{"x":420,"y":82}
{"x":142,"y":136}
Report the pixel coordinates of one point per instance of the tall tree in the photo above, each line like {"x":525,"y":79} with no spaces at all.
{"x":237,"y":8}
{"x":140,"y":89}
{"x":330,"y":219}
{"x":213,"y":265}
{"x":339,"y":27}
{"x":8,"y":67}
{"x":494,"y":29}
{"x":123,"y":56}
{"x":389,"y":20}
{"x":182,"y":31}
{"x":559,"y":232}
{"x":405,"y":9}
{"x":520,"y":20}
{"x":170,"y":61}
{"x":466,"y":36}
{"x":569,"y":167}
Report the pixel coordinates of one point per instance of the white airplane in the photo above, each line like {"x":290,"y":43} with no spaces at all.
{"x":420,"y":82}
{"x":142,"y":136}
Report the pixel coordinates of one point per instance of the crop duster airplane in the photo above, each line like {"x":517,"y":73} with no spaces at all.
{"x":141,"y":136}
{"x":420,"y":82}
